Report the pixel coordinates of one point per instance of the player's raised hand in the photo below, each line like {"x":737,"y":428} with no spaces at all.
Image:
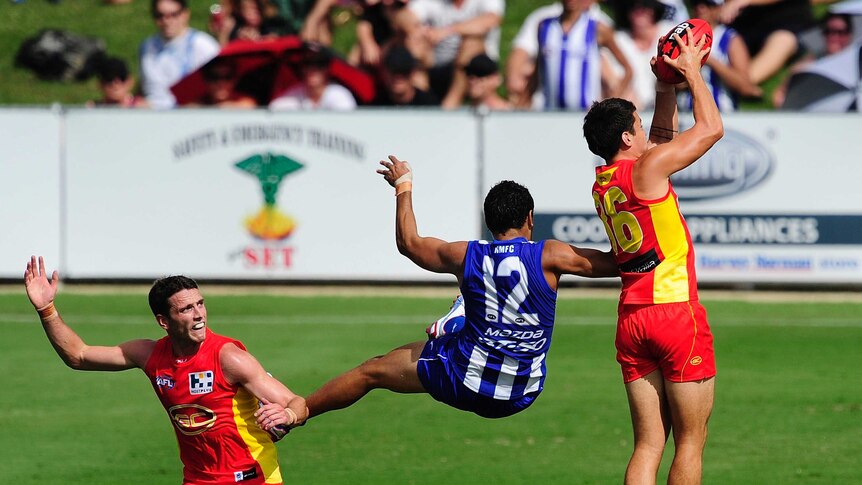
{"x":691,"y":53}
{"x":395,"y":172}
{"x":40,"y":289}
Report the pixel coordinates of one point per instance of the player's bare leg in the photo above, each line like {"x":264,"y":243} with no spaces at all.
{"x":690,"y":406}
{"x":779,"y":47}
{"x":395,"y":371}
{"x":651,"y":424}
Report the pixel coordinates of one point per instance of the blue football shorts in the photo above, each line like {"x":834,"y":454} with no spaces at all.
{"x":436,"y":371}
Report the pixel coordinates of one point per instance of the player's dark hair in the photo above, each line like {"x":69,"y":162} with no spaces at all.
{"x":184,"y":5}
{"x":605,"y":123}
{"x":507,"y":206}
{"x":164,"y":288}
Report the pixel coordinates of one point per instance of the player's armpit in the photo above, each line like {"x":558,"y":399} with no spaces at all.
{"x":436,"y":255}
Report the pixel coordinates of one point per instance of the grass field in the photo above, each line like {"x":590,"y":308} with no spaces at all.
{"x":788,"y":407}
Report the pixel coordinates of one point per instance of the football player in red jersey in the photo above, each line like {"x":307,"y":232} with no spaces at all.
{"x":225,"y":409}
{"x":664,"y":344}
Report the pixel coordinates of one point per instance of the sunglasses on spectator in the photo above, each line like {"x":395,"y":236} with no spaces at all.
{"x":836,"y":31}
{"x":167,"y":15}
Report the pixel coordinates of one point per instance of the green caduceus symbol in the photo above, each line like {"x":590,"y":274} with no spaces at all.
{"x":270,"y":169}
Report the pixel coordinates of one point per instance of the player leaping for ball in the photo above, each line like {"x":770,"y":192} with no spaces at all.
{"x":664,"y":344}
{"x":494,"y":365}
{"x":209,"y":384}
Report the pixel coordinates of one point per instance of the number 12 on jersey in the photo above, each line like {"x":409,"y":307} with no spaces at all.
{"x":517,"y":294}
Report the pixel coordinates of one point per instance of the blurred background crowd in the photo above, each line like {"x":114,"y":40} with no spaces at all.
{"x":448,"y":54}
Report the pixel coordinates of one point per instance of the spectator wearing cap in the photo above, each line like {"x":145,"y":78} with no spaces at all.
{"x":315,"y":90}
{"x":116,"y":84}
{"x":639,"y":27}
{"x":220,"y":77}
{"x":727,"y":71}
{"x":176,"y":51}
{"x":483,"y":80}
{"x":397,"y":76}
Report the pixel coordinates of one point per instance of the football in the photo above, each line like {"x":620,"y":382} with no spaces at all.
{"x":668,"y":46}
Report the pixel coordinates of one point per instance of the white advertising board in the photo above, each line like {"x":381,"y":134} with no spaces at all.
{"x":30,"y":190}
{"x":259,"y":195}
{"x":776,"y":200}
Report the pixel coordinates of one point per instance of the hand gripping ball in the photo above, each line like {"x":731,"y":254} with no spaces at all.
{"x":667,"y":45}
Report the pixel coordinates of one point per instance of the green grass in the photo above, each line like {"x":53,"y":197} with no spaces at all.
{"x":788,"y":405}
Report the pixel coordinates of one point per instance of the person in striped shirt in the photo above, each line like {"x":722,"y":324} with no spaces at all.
{"x":494,"y":364}
{"x":569,"y":64}
{"x":664,"y":344}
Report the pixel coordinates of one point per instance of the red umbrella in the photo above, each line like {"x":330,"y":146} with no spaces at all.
{"x":270,"y":67}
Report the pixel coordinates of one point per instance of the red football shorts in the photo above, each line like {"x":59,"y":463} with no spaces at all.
{"x":673,"y":337}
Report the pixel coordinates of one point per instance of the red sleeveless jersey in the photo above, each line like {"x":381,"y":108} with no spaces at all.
{"x":220,"y":442}
{"x":649,"y":239}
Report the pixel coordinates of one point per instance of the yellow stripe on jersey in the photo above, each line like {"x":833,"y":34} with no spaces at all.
{"x":260,"y":446}
{"x":670,"y":282}
{"x":604,"y":177}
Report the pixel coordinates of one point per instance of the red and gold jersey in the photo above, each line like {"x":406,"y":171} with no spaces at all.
{"x":220,"y":443}
{"x":649,"y":239}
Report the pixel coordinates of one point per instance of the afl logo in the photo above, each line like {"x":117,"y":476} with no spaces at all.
{"x":696,"y":360}
{"x":192,"y":419}
{"x":735,"y":164}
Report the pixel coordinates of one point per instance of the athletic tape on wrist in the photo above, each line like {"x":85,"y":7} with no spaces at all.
{"x":403,"y":187}
{"x":47,"y":311}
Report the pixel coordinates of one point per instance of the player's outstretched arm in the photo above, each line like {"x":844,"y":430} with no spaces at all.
{"x":281,"y":405}
{"x":657,"y":164}
{"x":68,"y":345}
{"x":428,"y":253}
{"x":560,"y":258}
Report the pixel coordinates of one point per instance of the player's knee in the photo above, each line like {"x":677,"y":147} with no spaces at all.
{"x":373,"y":371}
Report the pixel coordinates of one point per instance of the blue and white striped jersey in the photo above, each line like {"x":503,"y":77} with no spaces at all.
{"x":509,"y":319}
{"x":569,"y":64}
{"x":725,"y":99}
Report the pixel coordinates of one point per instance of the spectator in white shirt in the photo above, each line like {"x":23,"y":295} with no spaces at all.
{"x":315,"y":91}
{"x":176,"y":51}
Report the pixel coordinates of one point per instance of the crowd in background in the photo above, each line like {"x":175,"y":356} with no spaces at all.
{"x":446,"y":53}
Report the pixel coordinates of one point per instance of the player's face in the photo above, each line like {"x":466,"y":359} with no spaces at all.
{"x":640,"y":143}
{"x":186,"y":321}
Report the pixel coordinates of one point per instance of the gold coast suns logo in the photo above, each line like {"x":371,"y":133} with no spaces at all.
{"x":192,"y":419}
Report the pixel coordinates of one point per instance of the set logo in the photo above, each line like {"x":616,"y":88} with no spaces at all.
{"x":735,"y":164}
{"x":269,"y":223}
{"x":192,"y":419}
{"x":201,"y":382}
{"x":270,"y":227}
{"x":165,"y":382}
